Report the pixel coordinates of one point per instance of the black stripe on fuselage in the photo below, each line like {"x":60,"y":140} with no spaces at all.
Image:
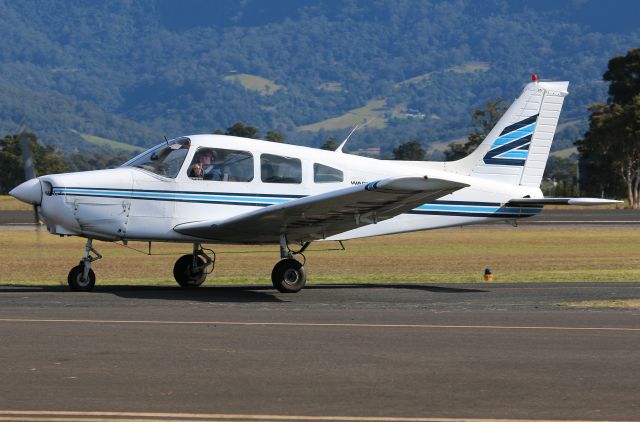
{"x":470,"y":214}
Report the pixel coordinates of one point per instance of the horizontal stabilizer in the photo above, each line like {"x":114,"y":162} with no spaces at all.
{"x":563,"y":201}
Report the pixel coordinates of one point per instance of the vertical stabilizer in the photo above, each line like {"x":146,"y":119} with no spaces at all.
{"x":517,"y":148}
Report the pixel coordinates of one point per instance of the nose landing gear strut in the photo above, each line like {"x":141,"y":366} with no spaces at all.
{"x":81,"y":278}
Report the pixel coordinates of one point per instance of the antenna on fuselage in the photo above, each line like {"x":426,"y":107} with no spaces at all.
{"x":357,"y":127}
{"x":166,"y":140}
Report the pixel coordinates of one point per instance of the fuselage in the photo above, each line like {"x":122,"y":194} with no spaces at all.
{"x":148,"y":196}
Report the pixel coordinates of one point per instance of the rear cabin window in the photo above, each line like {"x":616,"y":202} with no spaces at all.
{"x":223,"y":165}
{"x":326,"y":174}
{"x":279,"y":169}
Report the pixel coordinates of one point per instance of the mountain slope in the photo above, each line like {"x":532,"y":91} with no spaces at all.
{"x":134,"y":71}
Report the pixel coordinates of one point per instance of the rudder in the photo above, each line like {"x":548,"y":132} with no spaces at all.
{"x":517,"y":148}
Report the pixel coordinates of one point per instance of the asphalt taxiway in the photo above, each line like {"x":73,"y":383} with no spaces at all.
{"x":484,"y":351}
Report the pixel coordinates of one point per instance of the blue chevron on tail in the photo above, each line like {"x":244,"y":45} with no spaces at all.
{"x":511,"y":148}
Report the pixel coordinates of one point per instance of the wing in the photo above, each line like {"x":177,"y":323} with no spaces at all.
{"x":320,"y":216}
{"x":562,"y":201}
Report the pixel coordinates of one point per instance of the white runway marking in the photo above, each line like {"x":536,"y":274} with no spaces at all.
{"x":62,"y":416}
{"x":311,"y":324}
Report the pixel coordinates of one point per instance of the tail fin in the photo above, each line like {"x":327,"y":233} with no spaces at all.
{"x":517,"y":148}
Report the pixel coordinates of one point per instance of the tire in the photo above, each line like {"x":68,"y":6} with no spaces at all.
{"x":288,"y":276}
{"x":76,"y":283}
{"x":183,"y":274}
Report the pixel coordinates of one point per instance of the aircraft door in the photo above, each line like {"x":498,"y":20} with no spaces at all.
{"x":152,"y":207}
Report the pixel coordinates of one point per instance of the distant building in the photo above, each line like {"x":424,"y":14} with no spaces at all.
{"x":369,"y":152}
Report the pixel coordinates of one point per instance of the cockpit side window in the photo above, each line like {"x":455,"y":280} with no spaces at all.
{"x":164,"y":160}
{"x":226,"y":165}
{"x":278,"y":169}
{"x":326,"y":174}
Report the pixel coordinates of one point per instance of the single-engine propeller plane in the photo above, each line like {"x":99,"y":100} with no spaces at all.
{"x":222,"y":189}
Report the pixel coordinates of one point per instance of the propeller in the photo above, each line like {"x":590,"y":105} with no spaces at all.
{"x":29,"y":168}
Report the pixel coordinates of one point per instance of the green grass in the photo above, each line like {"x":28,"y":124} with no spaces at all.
{"x":96,"y":140}
{"x":374,"y":109}
{"x":541,"y":254}
{"x":255,"y":83}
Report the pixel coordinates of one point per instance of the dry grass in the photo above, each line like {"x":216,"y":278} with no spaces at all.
{"x":97,"y":140}
{"x":9,"y":203}
{"x":374,"y":109}
{"x":616,"y":303}
{"x":255,"y":83}
{"x":452,"y":255}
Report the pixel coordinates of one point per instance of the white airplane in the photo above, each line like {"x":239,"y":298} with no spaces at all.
{"x":223,"y":189}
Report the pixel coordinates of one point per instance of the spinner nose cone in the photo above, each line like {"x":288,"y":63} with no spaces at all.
{"x":29,"y":192}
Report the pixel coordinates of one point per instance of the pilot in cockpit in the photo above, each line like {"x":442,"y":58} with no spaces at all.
{"x":204,"y":166}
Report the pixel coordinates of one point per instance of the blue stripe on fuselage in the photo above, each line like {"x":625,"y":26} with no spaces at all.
{"x":457,"y":208}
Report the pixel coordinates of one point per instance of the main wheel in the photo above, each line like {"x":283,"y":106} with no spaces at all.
{"x":184,"y":274}
{"x":288,"y":276}
{"x":76,"y":279}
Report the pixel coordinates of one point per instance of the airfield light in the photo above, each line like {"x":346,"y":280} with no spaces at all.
{"x":488,"y":274}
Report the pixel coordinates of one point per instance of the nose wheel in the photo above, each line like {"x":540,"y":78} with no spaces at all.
{"x":81,"y":278}
{"x":80,"y":282}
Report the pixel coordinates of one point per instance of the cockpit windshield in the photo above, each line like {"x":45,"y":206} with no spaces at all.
{"x":164,"y":160}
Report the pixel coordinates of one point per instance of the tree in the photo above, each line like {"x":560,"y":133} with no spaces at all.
{"x":483,"y":119}
{"x":330,"y":145}
{"x":46,"y":160}
{"x":613,"y":139}
{"x":275,"y":136}
{"x":410,"y":151}
{"x":239,"y":129}
{"x":610,"y":150}
{"x":624,"y":74}
{"x":560,"y":177}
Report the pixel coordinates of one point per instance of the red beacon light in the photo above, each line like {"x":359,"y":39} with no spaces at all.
{"x":534,"y":78}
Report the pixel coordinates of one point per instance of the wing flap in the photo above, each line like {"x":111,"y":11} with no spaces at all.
{"x":323,"y":215}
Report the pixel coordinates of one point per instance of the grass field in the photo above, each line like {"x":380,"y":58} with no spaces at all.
{"x":442,"y":256}
{"x":9,"y":203}
{"x":255,"y":83}
{"x":470,"y":67}
{"x":374,"y":109}
{"x":619,"y":303}
{"x":97,"y":140}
